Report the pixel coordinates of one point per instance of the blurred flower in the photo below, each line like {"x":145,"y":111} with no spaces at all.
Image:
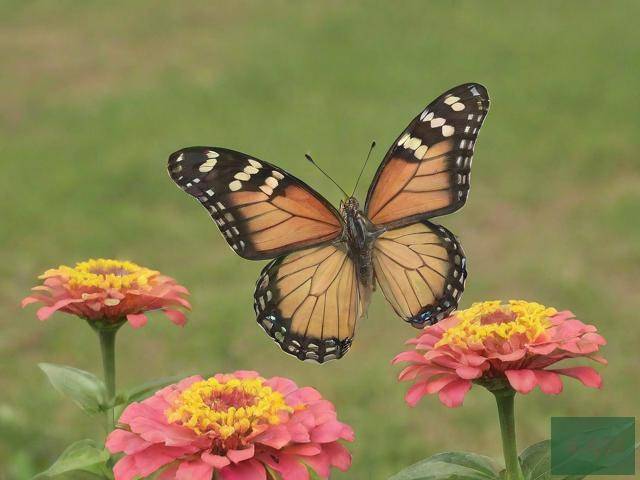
{"x":236,"y":425}
{"x":492,"y":343}
{"x":109,"y":291}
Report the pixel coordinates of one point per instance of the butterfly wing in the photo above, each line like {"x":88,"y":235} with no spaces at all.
{"x":261,"y":210}
{"x":421,"y":270}
{"x":309,"y":302}
{"x":425,"y":173}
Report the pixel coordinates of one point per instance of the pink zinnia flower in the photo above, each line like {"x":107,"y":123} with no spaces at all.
{"x":493,"y":344}
{"x":109,"y":291}
{"x":236,"y":426}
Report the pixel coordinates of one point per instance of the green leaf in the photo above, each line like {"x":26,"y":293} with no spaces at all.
{"x":451,"y":466}
{"x":84,"y":388}
{"x":81,"y":456}
{"x":535,"y":461}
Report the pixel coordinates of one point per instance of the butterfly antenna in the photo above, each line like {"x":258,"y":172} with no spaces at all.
{"x":308,"y":157}
{"x":373,"y":144}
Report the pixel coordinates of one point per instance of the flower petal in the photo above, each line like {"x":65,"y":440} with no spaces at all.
{"x":137,"y":320}
{"x":453,"y":394}
{"x":415,"y":393}
{"x":549,"y":382}
{"x":237,"y":456}
{"x":176,"y":317}
{"x":522,"y":381}
{"x":197,"y":470}
{"x":587,"y":375}
{"x":249,"y":470}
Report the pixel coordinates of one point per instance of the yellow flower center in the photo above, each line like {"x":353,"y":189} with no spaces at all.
{"x":105,"y":273}
{"x":228,"y":410}
{"x":494,"y":320}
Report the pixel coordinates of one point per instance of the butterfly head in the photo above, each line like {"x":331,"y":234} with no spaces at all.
{"x":350,"y":206}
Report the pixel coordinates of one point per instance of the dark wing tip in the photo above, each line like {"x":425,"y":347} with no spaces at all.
{"x":317,"y":350}
{"x":448,"y":301}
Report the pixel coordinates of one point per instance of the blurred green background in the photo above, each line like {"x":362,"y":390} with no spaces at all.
{"x":95,"y":95}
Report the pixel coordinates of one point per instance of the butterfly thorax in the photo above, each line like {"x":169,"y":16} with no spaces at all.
{"x":359,"y":234}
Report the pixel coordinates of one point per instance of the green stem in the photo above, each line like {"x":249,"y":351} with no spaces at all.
{"x":506,"y":414}
{"x":107,"y":336}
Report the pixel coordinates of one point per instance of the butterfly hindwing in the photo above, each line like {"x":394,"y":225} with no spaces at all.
{"x":425,"y":173}
{"x":421,"y":270}
{"x":261,"y":210}
{"x":309,"y":302}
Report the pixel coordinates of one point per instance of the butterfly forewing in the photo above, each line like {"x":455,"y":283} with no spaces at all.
{"x":425,"y":173}
{"x":309,"y":301}
{"x":261,"y":210}
{"x":421,"y":269}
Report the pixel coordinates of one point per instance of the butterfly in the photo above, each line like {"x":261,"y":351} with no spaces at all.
{"x":327,"y":261}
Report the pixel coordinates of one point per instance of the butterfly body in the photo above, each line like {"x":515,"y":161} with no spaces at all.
{"x":325,"y":262}
{"x":359,"y":234}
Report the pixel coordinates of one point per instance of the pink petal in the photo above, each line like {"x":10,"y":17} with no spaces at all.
{"x":549,"y":382}
{"x":587,"y":375}
{"x":125,"y":469}
{"x":339,"y":455}
{"x":249,"y":470}
{"x":409,"y":356}
{"x":154,"y":457}
{"x":468,"y":373}
{"x":276,"y":437}
{"x":453,"y":394}
{"x":137,"y":320}
{"x":124,"y":441}
{"x":45,"y":312}
{"x":197,"y":470}
{"x":237,"y":456}
{"x":216,"y":461}
{"x":522,"y":381}
{"x":28,"y":301}
{"x":282,"y":385}
{"x":168,"y":473}
{"x":304,"y":449}
{"x":290,"y":468}
{"x":415,"y":393}
{"x":327,"y":432}
{"x":176,"y":317}
{"x":437,"y":384}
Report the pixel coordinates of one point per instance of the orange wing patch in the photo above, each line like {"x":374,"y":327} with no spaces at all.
{"x":410,"y":187}
{"x":421,"y":270}
{"x":309,"y":302}
{"x":261,"y":210}
{"x":425,"y":173}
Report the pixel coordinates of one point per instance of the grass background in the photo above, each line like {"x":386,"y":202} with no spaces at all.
{"x":95,"y":95}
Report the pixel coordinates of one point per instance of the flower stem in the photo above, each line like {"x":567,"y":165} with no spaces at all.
{"x":506,"y":414}
{"x":107,"y":336}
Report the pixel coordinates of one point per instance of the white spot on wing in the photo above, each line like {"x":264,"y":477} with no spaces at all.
{"x":451,"y":99}
{"x":457,"y":106}
{"x":404,"y":138}
{"x":420,"y":151}
{"x":448,"y":130}
{"x":413,"y":143}
{"x":277,"y":174}
{"x":235,"y":186}
{"x":208,"y":165}
{"x":266,"y":189}
{"x":272,"y":182}
{"x":242,"y":176}
{"x":437,"y":122}
{"x":212,"y":154}
{"x":255,"y":163}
